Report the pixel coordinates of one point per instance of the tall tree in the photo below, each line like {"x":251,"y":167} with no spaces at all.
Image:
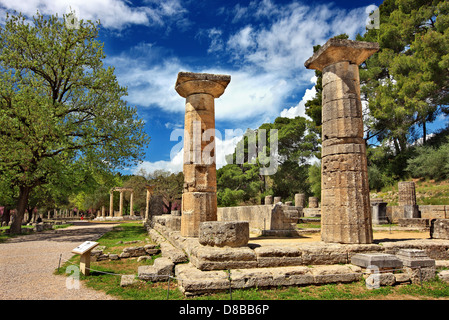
{"x":406,"y":82}
{"x":59,"y":104}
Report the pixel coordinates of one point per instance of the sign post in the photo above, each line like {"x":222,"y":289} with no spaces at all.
{"x":84,"y":250}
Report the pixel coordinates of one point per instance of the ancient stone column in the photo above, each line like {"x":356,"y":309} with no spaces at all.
{"x":120,"y":210}
{"x":277,"y":199}
{"x":268,"y":199}
{"x":111,"y":204}
{"x":406,"y":193}
{"x":102,"y":211}
{"x":147,"y":207}
{"x":300,"y":199}
{"x":313,"y":202}
{"x":131,"y":209}
{"x":199,"y":198}
{"x":345,"y":203}
{"x":407,"y":199}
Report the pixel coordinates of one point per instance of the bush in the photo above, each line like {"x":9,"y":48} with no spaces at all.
{"x":377,"y":178}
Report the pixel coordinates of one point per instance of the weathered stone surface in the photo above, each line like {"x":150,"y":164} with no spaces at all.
{"x":173,"y":253}
{"x":224,"y":233}
{"x":439,"y":228}
{"x":379,"y":212}
{"x":133,"y":252}
{"x":197,"y":207}
{"x":127,"y":280}
{"x":214,"y":258}
{"x":263,"y":217}
{"x":411,"y":211}
{"x":421,"y":223}
{"x":161,"y":269}
{"x":415,"y":258}
{"x":278,"y":256}
{"x":189,"y":83}
{"x":313,"y":202}
{"x":335,"y":50}
{"x":300,"y":200}
{"x":419,"y":274}
{"x":268,"y":199}
{"x":193,"y":281}
{"x":334,"y":274}
{"x":375,"y":280}
{"x":113,"y":256}
{"x":380,"y":260}
{"x":406,"y":193}
{"x":444,"y":275}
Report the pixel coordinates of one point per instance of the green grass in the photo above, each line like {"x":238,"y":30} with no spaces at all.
{"x":434,"y":289}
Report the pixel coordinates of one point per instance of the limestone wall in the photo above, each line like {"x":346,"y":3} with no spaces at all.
{"x":395,"y":213}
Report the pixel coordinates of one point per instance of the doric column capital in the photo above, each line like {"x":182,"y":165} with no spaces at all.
{"x":337,"y":50}
{"x":189,"y":83}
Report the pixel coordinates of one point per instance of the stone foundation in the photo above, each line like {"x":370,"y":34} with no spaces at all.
{"x":274,"y":219}
{"x":213,"y":269}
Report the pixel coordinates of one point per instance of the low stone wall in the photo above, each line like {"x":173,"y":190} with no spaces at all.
{"x":394,"y":213}
{"x":262,"y":217}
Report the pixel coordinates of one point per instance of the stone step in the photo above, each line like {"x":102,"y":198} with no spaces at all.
{"x":193,"y":281}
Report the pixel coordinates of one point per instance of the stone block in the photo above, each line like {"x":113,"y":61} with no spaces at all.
{"x":161,"y":269}
{"x":127,"y":280}
{"x":334,"y":274}
{"x":197,"y":207}
{"x":444,"y":275}
{"x":411,"y":211}
{"x":418,"y":274}
{"x":439,"y":228}
{"x":421,"y":223}
{"x":224,"y":233}
{"x":222,"y":258}
{"x":380,"y":260}
{"x":379,"y":213}
{"x":173,"y":253}
{"x":343,"y":127}
{"x":415,"y":258}
{"x":375,"y":280}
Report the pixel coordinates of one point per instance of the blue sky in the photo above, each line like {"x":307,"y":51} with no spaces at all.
{"x":262,"y":44}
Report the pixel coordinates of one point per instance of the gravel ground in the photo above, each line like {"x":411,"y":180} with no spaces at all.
{"x":27,"y":264}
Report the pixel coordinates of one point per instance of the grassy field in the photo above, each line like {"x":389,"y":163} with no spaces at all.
{"x":106,"y":277}
{"x":428,"y":192}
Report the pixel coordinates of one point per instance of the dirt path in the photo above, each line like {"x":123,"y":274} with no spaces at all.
{"x":27,"y":264}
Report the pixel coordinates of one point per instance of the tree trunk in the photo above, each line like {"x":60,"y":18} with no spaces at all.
{"x":424,"y":133}
{"x":22,"y":204}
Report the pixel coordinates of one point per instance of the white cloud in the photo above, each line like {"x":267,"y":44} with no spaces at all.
{"x":224,"y":144}
{"x":283,"y":45}
{"x":113,"y":14}
{"x":300,"y":108}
